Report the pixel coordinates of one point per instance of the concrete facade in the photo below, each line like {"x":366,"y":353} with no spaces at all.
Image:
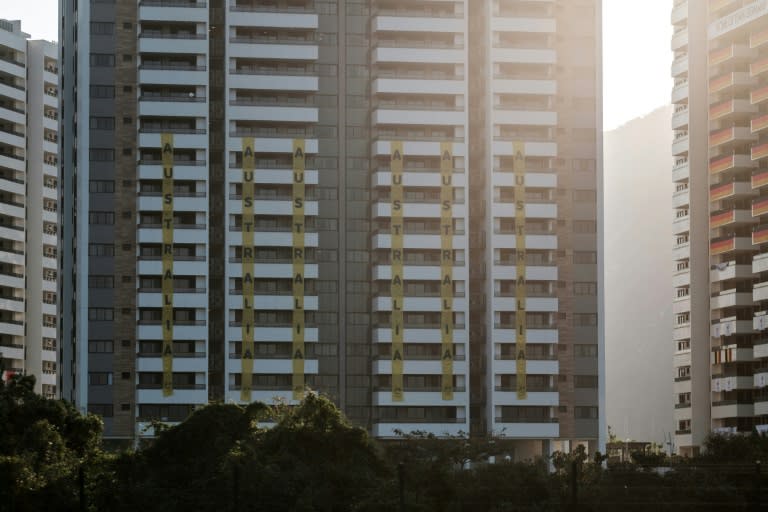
{"x":28,"y":206}
{"x":340,"y":223}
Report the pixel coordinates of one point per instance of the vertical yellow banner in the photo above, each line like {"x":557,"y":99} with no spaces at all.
{"x":396,"y":261}
{"x":520,"y":292}
{"x":298,"y":268}
{"x":446,"y":267}
{"x":166,"y":315}
{"x":247,"y":227}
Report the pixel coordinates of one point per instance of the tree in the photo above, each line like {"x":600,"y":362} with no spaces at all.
{"x":227,"y":457}
{"x":43,"y":445}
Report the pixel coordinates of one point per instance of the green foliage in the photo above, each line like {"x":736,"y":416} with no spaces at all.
{"x":43,"y":443}
{"x":308,"y":458}
{"x":649,"y":460}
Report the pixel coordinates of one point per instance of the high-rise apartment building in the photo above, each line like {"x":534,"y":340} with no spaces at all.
{"x":392,"y":202}
{"x":28,"y":206}
{"x":720,"y":115}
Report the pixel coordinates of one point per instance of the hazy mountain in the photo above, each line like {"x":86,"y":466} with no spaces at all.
{"x":638,"y":277}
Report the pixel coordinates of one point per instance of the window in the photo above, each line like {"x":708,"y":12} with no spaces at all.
{"x":101,"y":186}
{"x":102,"y":28}
{"x":584,"y":134}
{"x":584,"y":226}
{"x":101,"y":250}
{"x":585,"y":319}
{"x":96,"y":281}
{"x":101,"y":314}
{"x":584,"y":195}
{"x":102,"y":91}
{"x":103,"y":60}
{"x":585,"y":288}
{"x":101,"y":346}
{"x":102,"y":123}
{"x":164,"y":412}
{"x":583,"y":164}
{"x":105,"y":218}
{"x":584,"y":350}
{"x":101,"y":155}
{"x":585,"y":381}
{"x":99,"y":378}
{"x":585,"y":413}
{"x":584,"y":257}
{"x":104,"y":410}
{"x":684,"y":372}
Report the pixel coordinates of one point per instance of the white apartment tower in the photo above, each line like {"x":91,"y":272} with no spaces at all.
{"x":719,"y":177}
{"x":276,"y":196}
{"x":28,"y":206}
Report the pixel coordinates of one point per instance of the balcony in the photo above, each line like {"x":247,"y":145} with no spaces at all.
{"x":760,"y":323}
{"x":681,"y":251}
{"x":680,"y":92}
{"x":389,"y":429}
{"x":760,"y":263}
{"x":679,"y":39}
{"x":679,"y":66}
{"x":681,"y":144}
{"x":412,"y":23}
{"x":759,"y":124}
{"x":759,"y":179}
{"x":760,"y":380}
{"x":731,"y":218}
{"x":731,"y":189}
{"x":269,"y":16}
{"x":417,"y":54}
{"x":680,"y":118}
{"x":730,"y":243}
{"x":731,"y":409}
{"x":733,"y":162}
{"x":730,"y":326}
{"x":731,"y":354}
{"x":734,"y":79}
{"x":721,"y":384}
{"x":681,"y":225}
{"x":681,"y":278}
{"x":732,"y":109}
{"x":759,"y":67}
{"x":758,"y":39}
{"x":758,"y":95}
{"x":760,"y":291}
{"x":680,"y":12}
{"x":730,"y":270}
{"x":760,"y":207}
{"x":759,"y":151}
{"x":681,"y":171}
{"x":732,"y":51}
{"x":734,"y":134}
{"x":522,"y":429}
{"x":681,"y":198}
{"x":730,"y":299}
{"x":760,"y":235}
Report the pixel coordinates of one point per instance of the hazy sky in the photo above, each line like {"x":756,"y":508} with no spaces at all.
{"x":636,"y":51}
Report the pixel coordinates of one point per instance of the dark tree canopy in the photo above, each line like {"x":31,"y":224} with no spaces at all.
{"x":309,"y":458}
